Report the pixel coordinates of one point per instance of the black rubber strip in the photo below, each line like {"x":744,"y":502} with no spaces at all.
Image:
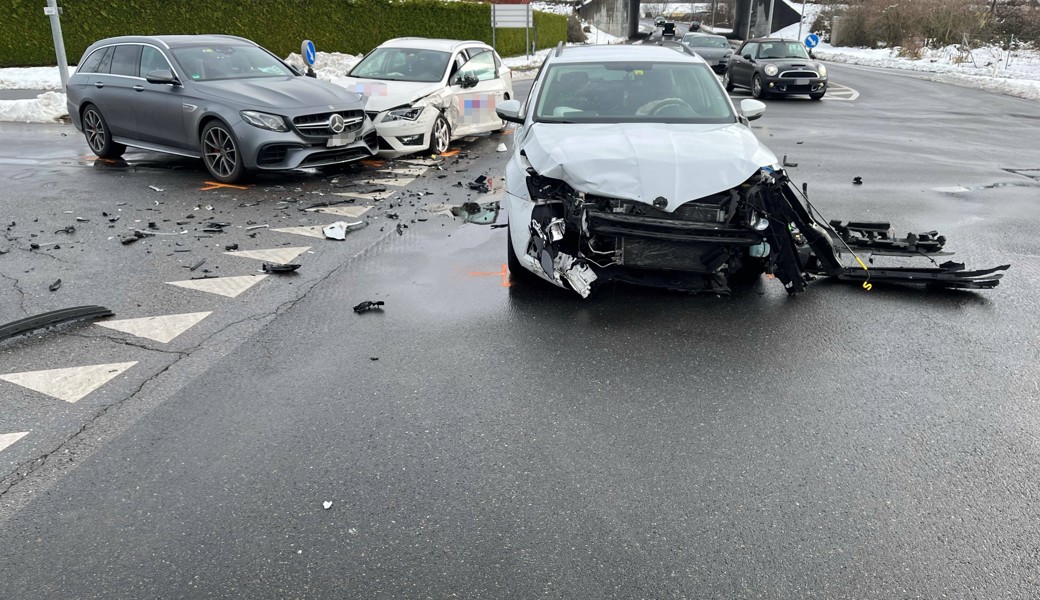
{"x":55,"y":317}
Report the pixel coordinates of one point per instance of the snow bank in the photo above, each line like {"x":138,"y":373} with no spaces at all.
{"x":48,"y":107}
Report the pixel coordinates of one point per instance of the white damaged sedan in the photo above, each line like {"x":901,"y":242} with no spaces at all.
{"x":423,"y":93}
{"x":632,"y":164}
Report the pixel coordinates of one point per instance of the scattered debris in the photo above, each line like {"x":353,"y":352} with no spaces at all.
{"x":339,"y":229}
{"x":327,"y":504}
{"x":158,"y":189}
{"x":48,"y":319}
{"x":231,"y":247}
{"x":197,"y":265}
{"x":481,"y":184}
{"x":400,"y":228}
{"x":70,"y":229}
{"x":82,"y":220}
{"x":475,"y":212}
{"x":368,"y":305}
{"x":257,"y":227}
{"x":128,"y":238}
{"x":857,"y":180}
{"x":279,"y":268}
{"x":54,"y":286}
{"x":501,"y":147}
{"x":788,"y":164}
{"x":373,"y":358}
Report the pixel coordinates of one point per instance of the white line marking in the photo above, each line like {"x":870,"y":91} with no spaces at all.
{"x":372,"y":196}
{"x":6,"y":439}
{"x":314,"y":231}
{"x":274,"y":255}
{"x":224,"y":286}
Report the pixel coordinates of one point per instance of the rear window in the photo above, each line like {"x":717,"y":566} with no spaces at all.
{"x":91,"y":63}
{"x":125,"y":61}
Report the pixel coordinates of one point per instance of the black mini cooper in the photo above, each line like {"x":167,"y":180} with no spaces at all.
{"x":774,"y":66}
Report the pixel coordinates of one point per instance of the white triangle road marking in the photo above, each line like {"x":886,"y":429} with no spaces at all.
{"x":162,"y":329}
{"x":224,"y":286}
{"x":371,"y":196}
{"x":6,"y":439}
{"x":409,"y":171}
{"x":314,"y":231}
{"x":426,"y":162}
{"x":274,"y":255}
{"x":353,"y":212}
{"x":69,"y":384}
{"x":401,"y":182}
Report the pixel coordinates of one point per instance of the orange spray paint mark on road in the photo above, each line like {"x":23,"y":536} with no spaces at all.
{"x":449,"y":153}
{"x":375,"y":164}
{"x":212,"y":185}
{"x":504,"y":274}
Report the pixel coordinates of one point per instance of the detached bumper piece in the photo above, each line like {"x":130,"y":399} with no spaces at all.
{"x":582,"y":241}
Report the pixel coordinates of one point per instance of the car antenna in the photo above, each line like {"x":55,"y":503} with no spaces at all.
{"x":559,"y":48}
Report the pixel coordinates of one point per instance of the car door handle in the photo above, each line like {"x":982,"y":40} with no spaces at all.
{"x":138,"y":88}
{"x":98,"y":85}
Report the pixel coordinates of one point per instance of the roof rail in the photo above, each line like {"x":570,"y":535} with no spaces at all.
{"x":559,"y":48}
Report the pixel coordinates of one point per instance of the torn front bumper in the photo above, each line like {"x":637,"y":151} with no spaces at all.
{"x":580,"y":241}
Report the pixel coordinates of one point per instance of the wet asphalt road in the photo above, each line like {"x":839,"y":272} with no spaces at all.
{"x":513,"y":440}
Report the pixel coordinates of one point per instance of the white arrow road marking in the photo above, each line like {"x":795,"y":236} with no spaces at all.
{"x":68,"y":384}
{"x":274,"y":255}
{"x":344,"y":211}
{"x":162,"y":329}
{"x":225,"y":286}
{"x":6,"y":439}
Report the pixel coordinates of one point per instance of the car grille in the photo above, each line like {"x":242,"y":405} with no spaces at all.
{"x":272,"y":155}
{"x":335,"y":156}
{"x":799,"y":74}
{"x":372,"y":139}
{"x":318,"y":124}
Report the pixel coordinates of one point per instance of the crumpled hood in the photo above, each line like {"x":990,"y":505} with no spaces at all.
{"x":642,"y":161}
{"x":287,"y":94}
{"x":384,"y":95}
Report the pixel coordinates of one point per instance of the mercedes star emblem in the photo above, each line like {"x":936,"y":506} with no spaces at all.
{"x":336,"y":123}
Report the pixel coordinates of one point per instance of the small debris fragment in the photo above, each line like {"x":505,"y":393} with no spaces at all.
{"x":368,"y":305}
{"x":279,"y":268}
{"x":231,"y":247}
{"x":373,"y":358}
{"x":128,"y":238}
{"x":501,"y":147}
{"x":339,"y":229}
{"x":857,"y":180}
{"x":70,"y":229}
{"x":400,"y":228}
{"x":158,"y":189}
{"x":480,"y":184}
{"x":788,"y":164}
{"x":82,"y":220}
{"x":327,"y":504}
{"x":197,"y":265}
{"x":257,"y":227}
{"x":34,"y":246}
{"x":54,"y":286}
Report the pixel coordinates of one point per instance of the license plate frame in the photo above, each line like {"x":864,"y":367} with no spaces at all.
{"x":340,"y":139}
{"x":801,"y":81}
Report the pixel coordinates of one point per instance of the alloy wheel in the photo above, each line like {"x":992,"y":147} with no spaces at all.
{"x":441,"y":136}
{"x":220,"y":152}
{"x":95,"y":129}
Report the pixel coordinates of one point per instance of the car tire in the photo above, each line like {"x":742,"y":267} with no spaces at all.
{"x":818,"y":95}
{"x":727,"y":81}
{"x":757,"y":91}
{"x":222,"y":153}
{"x":440,"y":136}
{"x":99,"y":138}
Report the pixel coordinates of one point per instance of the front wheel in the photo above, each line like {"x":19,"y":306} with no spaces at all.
{"x":99,"y":138}
{"x":440,"y":136}
{"x":757,"y":91}
{"x":727,"y":81}
{"x":221,"y":153}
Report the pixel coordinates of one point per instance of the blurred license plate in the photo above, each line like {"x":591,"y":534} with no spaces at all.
{"x":801,"y":82}
{"x":341,"y":139}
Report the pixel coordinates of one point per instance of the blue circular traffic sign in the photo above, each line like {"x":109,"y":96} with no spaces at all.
{"x":308,"y":52}
{"x":812,"y":40}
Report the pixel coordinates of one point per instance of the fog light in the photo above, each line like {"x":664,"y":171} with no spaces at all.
{"x":410,"y":140}
{"x":761,"y":224}
{"x":760,"y":250}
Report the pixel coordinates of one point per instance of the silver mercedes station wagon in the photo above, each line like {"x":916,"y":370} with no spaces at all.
{"x":220,"y":98}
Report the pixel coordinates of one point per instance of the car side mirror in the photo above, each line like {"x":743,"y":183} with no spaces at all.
{"x":509,"y":111}
{"x":162,"y":76}
{"x":752,"y":109}
{"x":748,"y":57}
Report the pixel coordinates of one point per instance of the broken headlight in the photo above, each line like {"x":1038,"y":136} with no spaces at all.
{"x":408,"y":113}
{"x":545,"y":189}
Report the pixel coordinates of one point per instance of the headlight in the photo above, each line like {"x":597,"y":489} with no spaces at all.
{"x":771,"y":70}
{"x":409,"y":113}
{"x":823,"y":71}
{"x":264,"y":120}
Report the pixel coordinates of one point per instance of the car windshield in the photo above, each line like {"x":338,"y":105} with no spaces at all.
{"x":213,"y":62}
{"x":662,"y":92}
{"x":707,"y":42}
{"x":403,"y":64}
{"x":782,"y":50}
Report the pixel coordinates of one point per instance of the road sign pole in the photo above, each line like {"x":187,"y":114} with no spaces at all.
{"x":800,"y":19}
{"x":59,"y":42}
{"x":769,"y":20}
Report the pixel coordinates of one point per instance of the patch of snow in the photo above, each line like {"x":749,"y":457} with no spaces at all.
{"x":48,"y":107}
{"x":32,"y":78}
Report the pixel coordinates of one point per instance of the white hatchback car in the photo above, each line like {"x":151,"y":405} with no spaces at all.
{"x":424,"y":93}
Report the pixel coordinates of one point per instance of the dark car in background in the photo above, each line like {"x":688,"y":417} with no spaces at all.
{"x":217,"y":97}
{"x":770,"y":66}
{"x":714,"y":49}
